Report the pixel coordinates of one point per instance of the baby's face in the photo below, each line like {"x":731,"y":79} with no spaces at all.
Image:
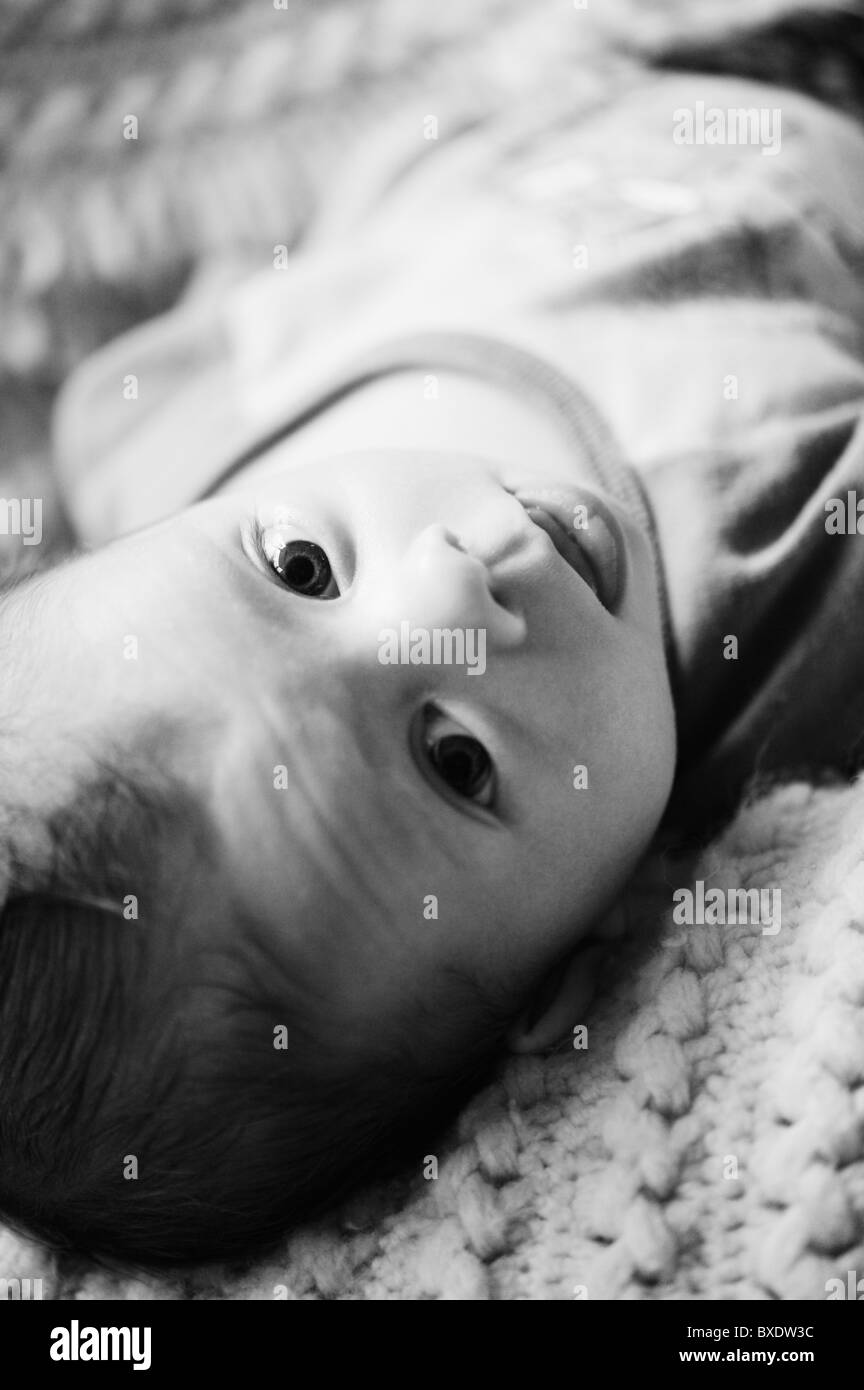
{"x":475,"y":797}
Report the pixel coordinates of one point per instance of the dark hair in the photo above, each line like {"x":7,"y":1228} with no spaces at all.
{"x":116,"y":1046}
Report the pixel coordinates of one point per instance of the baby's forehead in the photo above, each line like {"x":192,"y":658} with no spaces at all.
{"x":318,"y":802}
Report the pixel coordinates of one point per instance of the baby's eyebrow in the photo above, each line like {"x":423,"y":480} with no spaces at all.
{"x":236,"y":567}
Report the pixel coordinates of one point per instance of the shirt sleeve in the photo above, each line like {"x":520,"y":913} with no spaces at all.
{"x":766,"y":550}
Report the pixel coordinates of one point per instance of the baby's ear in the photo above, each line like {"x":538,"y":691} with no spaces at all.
{"x":559,"y":1002}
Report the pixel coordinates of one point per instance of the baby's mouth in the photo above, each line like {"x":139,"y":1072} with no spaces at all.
{"x":594,"y":549}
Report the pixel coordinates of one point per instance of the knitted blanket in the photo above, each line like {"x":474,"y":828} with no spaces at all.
{"x":705,"y":1136}
{"x":705,"y":1139}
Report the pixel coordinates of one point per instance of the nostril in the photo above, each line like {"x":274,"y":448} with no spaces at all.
{"x":452,"y":539}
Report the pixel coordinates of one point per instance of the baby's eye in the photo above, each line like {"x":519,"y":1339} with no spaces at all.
{"x":302,"y":566}
{"x":458,"y":758}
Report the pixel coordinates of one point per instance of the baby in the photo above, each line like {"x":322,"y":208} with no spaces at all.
{"x":425,"y":575}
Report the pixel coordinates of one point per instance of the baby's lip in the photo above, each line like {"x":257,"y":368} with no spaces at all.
{"x":586,"y":534}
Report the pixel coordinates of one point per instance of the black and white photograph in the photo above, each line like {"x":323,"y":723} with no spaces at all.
{"x":431,"y":669}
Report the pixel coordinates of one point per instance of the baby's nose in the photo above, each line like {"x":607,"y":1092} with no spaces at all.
{"x":446,"y":585}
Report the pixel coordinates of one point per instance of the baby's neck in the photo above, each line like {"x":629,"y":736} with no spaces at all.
{"x":446,"y":411}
